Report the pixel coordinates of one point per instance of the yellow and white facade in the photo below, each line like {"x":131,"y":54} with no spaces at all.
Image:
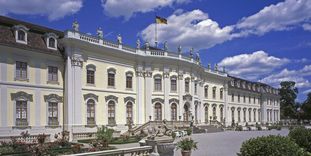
{"x":86,"y":81}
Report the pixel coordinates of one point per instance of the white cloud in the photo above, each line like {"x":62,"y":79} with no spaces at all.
{"x":307,"y":27}
{"x":252,"y":66}
{"x":189,"y":29}
{"x":282,"y":16}
{"x":54,"y":10}
{"x":307,"y":91}
{"x":299,"y":76}
{"x":126,"y":8}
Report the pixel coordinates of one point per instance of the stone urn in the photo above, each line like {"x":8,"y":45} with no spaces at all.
{"x":163,"y":145}
{"x":186,"y":153}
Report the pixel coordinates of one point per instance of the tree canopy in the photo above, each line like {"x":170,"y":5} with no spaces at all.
{"x":288,"y":93}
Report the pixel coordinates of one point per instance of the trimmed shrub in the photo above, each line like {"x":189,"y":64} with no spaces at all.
{"x":189,"y":131}
{"x":239,"y":128}
{"x":302,"y":137}
{"x":270,"y":145}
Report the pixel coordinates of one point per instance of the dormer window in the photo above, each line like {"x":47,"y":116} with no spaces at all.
{"x":51,"y":41}
{"x":20,"y":34}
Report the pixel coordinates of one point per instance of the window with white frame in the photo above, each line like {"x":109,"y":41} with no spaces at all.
{"x":21,"y":114}
{"x":21,"y":35}
{"x":239,"y":98}
{"x":20,"y":32}
{"x":195,"y":88}
{"x":21,"y":70}
{"x":90,"y":112}
{"x":52,"y":73}
{"x":129,"y":80}
{"x":232,"y":97}
{"x":53,"y":113}
{"x":90,"y":76}
{"x":157,"y":83}
{"x":174,"y":112}
{"x":52,"y":42}
{"x":221,"y":93}
{"x":111,"y":77}
{"x":173,"y":84}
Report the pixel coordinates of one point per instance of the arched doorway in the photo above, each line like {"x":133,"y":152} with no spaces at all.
{"x":186,"y":112}
{"x":157,"y":112}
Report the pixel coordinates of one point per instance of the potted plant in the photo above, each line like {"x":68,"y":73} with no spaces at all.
{"x":187,"y":145}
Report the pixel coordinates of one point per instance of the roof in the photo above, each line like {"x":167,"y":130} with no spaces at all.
{"x":35,"y":36}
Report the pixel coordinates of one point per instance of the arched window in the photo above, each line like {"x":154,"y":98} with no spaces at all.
{"x":129,"y":80}
{"x":249,"y":115}
{"x":214,"y":92}
{"x":187,"y":83}
{"x":21,"y":35}
{"x":111,"y":113}
{"x":52,"y":42}
{"x":157,"y":83}
{"x":239,"y":115}
{"x":91,"y":112}
{"x":254,"y":115}
{"x":157,"y":112}
{"x":214,"y":112}
{"x":206,"y":114}
{"x":239,"y":98}
{"x":174,"y":112}
{"x":129,"y":113}
{"x":232,"y":114}
{"x":206,"y":91}
{"x":244,"y":114}
{"x":173,"y":84}
{"x":221,"y":114}
{"x":111,"y":77}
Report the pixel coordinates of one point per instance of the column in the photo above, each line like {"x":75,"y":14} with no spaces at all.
{"x":73,"y":91}
{"x":181,"y":90}
{"x":192,"y":109}
{"x":3,"y":91}
{"x":263,"y":109}
{"x":166,"y":76}
{"x":148,"y":93}
{"x":140,"y":109}
{"x":201,"y":97}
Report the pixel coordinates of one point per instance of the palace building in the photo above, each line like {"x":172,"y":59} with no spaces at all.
{"x":53,"y":80}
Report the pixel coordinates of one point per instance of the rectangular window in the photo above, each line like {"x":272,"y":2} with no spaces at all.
{"x":129,"y":82}
{"x":52,"y":73}
{"x":221,"y":94}
{"x":90,"y":113}
{"x":187,"y":86}
{"x":157,"y":84}
{"x":232,"y":97}
{"x":21,"y":70}
{"x":249,"y":99}
{"x":53,"y":113}
{"x":214,"y":92}
{"x":244,"y":99}
{"x":239,"y":98}
{"x":195,"y":88}
{"x":90,"y":77}
{"x":206,"y":92}
{"x":21,"y":113}
{"x":173,"y":85}
{"x":111,"y":79}
{"x":254,"y":100}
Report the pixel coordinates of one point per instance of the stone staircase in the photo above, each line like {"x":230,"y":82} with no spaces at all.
{"x":213,"y":127}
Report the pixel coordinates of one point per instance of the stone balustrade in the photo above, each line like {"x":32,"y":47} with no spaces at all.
{"x":28,"y":139}
{"x":135,"y":151}
{"x":163,"y":53}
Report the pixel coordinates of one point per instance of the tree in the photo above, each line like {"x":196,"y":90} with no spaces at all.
{"x":306,"y":108}
{"x":288,"y":93}
{"x":104,"y":136}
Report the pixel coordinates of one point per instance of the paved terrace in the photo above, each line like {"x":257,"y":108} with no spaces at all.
{"x":226,"y":143}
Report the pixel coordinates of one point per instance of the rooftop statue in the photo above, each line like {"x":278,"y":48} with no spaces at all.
{"x":75,"y":25}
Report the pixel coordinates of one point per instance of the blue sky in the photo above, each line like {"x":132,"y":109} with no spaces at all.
{"x":266,"y":41}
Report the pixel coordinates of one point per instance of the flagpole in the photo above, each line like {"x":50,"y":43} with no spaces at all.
{"x":156,"y":33}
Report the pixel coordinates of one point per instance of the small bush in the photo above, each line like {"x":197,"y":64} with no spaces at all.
{"x":270,"y":145}
{"x":189,"y":131}
{"x":104,"y":136}
{"x":239,"y":128}
{"x":302,"y":137}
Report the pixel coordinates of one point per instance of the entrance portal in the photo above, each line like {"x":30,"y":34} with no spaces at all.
{"x":186,"y":112}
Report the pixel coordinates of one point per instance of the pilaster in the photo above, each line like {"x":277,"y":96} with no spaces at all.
{"x":166,"y":76}
{"x":140,"y":119}
{"x":148,"y":93}
{"x":181,"y":92}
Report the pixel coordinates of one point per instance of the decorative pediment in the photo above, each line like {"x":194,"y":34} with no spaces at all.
{"x":206,"y":104}
{"x":232,"y":108}
{"x":126,"y":99}
{"x":214,"y":105}
{"x":244,"y":109}
{"x":187,"y":97}
{"x":53,"y":98}
{"x":174,"y":100}
{"x":111,"y":97}
{"x":239,"y":108}
{"x":157,"y":100}
{"x":90,"y":95}
{"x":21,"y":96}
{"x":221,"y":106}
